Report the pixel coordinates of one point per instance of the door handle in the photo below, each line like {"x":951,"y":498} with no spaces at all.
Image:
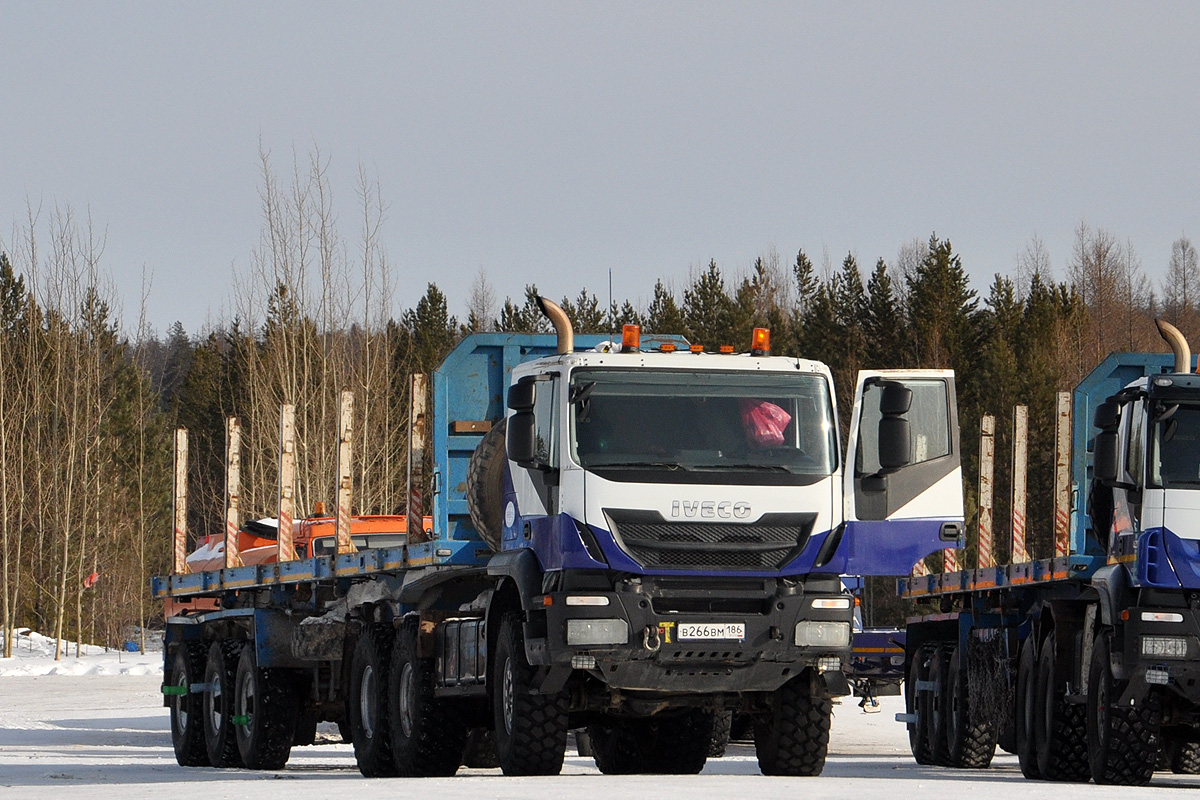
{"x":950,"y":532}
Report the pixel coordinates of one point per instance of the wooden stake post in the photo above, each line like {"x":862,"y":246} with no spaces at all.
{"x":179,"y":506}
{"x":345,"y":484}
{"x":1062,"y":478}
{"x":987,"y":458}
{"x":415,"y":499}
{"x":287,"y":481}
{"x":1020,"y":553}
{"x":233,"y":478}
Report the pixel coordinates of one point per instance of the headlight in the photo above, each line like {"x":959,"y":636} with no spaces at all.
{"x":597,"y":631}
{"x":810,"y":633}
{"x":1165,"y":646}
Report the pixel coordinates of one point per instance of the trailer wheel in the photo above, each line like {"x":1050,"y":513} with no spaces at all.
{"x":531,"y":729}
{"x":485,"y":485}
{"x":1061,"y":726}
{"x":917,"y":703}
{"x":1183,"y":757}
{"x":367,"y":702}
{"x":428,"y":735}
{"x":972,"y":741}
{"x":220,"y":673}
{"x":939,"y":700}
{"x":794,"y":739}
{"x":1123,"y":742}
{"x":722,"y":722}
{"x":265,"y":712}
{"x":1023,"y":716}
{"x":187,"y":709}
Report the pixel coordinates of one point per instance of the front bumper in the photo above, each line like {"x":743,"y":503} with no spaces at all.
{"x":655,"y":658}
{"x":1161,"y":650}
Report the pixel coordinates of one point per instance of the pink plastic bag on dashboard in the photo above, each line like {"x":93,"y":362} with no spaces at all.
{"x":763,"y":422}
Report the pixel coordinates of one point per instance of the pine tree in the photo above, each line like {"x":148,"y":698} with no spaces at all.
{"x":664,"y":315}
{"x":886,"y":335}
{"x":708,"y":310}
{"x":434,"y":332}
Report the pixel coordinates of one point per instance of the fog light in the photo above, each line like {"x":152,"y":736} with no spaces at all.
{"x":1165,"y":646}
{"x":583,"y":662}
{"x":1158,"y":675}
{"x":829,"y":664}
{"x":597,"y":631}
{"x":810,"y":633}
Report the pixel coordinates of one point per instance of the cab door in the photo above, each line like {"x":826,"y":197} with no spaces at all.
{"x":902,"y":480}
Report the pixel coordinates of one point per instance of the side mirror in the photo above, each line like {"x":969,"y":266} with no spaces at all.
{"x":522,"y":395}
{"x":894,"y":443}
{"x":1105,"y":450}
{"x":895,"y":452}
{"x":1107,"y":416}
{"x":520,"y":437}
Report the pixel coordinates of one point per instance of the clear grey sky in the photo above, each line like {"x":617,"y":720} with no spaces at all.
{"x":550,"y":142}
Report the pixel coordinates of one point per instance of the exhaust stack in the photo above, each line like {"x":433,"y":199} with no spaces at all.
{"x":562,"y":324}
{"x":1179,"y":345}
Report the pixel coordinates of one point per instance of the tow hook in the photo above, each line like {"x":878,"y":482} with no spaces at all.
{"x":650,"y":638}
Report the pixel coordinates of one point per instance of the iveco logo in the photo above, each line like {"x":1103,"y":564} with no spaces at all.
{"x":710,"y":509}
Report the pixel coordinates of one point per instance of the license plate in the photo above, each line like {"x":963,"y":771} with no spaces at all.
{"x":712,"y":630}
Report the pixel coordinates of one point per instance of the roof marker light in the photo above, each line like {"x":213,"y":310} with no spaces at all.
{"x":631,"y":339}
{"x":726,"y":349}
{"x":696,"y":348}
{"x":667,"y":347}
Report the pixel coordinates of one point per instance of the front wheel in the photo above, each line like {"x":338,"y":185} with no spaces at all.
{"x":1123,"y":743}
{"x":531,"y":728}
{"x":794,"y":738}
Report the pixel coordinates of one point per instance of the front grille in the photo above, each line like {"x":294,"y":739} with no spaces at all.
{"x":656,"y":543}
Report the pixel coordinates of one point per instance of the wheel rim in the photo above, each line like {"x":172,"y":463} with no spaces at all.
{"x":408,"y":694}
{"x":507,"y":693}
{"x":212,"y":699}
{"x":245,"y":699}
{"x":366,"y":701}
{"x":180,"y":704}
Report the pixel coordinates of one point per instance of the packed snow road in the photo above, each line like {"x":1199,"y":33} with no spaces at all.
{"x":102,"y":736}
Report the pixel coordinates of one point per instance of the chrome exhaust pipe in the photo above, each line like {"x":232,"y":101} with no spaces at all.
{"x":1179,"y":345}
{"x":562,"y":324}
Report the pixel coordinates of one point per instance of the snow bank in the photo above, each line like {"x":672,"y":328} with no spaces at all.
{"x":33,"y":654}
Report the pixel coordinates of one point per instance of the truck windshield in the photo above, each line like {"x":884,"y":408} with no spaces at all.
{"x":1175,"y":462}
{"x":694,"y":421}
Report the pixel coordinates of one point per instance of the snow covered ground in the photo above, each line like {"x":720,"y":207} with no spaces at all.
{"x":95,"y":728}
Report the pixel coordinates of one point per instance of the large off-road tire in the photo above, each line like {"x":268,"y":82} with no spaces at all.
{"x":220,"y":674}
{"x":485,"y":485}
{"x":617,"y":747}
{"x":794,"y":738}
{"x":427,"y":734}
{"x":1183,"y":758}
{"x":939,"y":674}
{"x":480,"y":751}
{"x":1123,"y":743}
{"x":531,"y":728}
{"x":917,"y":703}
{"x":367,"y":702}
{"x":671,"y":744}
{"x":1025,"y":707}
{"x":264,"y":713}
{"x":971,"y":740}
{"x":1061,"y":726}
{"x":187,"y":709}
{"x":722,"y":722}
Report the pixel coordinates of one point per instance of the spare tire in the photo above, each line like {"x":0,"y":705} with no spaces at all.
{"x":485,"y":486}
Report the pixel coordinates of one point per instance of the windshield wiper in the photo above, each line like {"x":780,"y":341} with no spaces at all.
{"x":742,"y":465}
{"x":671,"y":465}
